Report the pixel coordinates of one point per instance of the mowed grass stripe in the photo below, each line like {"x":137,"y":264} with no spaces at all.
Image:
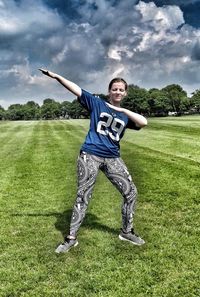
{"x":13,"y":144}
{"x":43,"y":159}
{"x":37,"y":184}
{"x":12,"y":137}
{"x":70,"y":131}
{"x":150,"y":169}
{"x":183,"y":121}
{"x":174,"y":142}
{"x":167,"y":218}
{"x":169,"y":201}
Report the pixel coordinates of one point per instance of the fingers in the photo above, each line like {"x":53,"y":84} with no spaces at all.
{"x":44,"y":71}
{"x":48,"y":73}
{"x":114,"y":107}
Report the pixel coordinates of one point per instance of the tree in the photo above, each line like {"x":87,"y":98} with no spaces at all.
{"x":15,"y":112}
{"x":65,"y":109}
{"x":137,"y":100}
{"x":77,"y":110}
{"x":2,"y":113}
{"x":31,"y":111}
{"x":195,"y":101}
{"x":50,"y":109}
{"x":158,"y":103}
{"x":177,"y":98}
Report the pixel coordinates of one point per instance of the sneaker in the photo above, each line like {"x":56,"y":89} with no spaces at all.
{"x":66,"y":245}
{"x":131,"y":237}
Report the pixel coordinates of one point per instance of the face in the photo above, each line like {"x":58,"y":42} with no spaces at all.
{"x":117,"y":93}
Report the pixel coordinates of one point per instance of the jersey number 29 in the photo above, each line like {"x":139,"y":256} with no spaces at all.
{"x":114,"y":124}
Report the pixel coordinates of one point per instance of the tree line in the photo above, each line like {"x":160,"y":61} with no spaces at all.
{"x":171,"y":99}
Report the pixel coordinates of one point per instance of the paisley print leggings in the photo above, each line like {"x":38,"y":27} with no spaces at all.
{"x":116,"y":171}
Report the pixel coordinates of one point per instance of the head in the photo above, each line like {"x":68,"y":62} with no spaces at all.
{"x":117,"y":90}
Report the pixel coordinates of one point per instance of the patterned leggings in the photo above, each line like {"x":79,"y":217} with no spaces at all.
{"x":114,"y":168}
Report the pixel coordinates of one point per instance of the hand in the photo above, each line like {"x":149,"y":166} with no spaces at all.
{"x":120,"y":109}
{"x":47,"y":72}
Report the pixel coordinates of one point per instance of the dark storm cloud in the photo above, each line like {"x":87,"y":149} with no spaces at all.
{"x":196,"y":51}
{"x":173,"y":2}
{"x":91,"y":41}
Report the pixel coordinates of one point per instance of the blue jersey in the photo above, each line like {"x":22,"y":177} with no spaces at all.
{"x":107,"y":127}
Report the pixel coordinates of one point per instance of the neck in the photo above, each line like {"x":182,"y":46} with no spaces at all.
{"x":117,"y":104}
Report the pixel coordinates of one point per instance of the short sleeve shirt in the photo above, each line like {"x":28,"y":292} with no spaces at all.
{"x":107,"y":127}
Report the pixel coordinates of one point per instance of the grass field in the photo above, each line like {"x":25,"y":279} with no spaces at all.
{"x":37,"y":191}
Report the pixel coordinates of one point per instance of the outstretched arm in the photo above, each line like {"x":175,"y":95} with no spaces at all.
{"x":69,"y":85}
{"x":138,"y":119}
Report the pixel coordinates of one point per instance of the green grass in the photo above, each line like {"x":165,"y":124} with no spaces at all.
{"x":37,"y":191}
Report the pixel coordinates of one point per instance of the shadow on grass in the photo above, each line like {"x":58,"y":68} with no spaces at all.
{"x":91,"y":221}
{"x":62,"y":223}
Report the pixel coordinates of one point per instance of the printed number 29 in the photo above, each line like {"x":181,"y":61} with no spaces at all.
{"x":115,"y":124}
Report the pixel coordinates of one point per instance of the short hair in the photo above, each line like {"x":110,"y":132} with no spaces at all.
{"x":117,"y":79}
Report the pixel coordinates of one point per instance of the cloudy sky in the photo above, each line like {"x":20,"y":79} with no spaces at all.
{"x":150,"y":43}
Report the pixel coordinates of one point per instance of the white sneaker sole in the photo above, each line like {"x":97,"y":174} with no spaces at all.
{"x":133,"y":242}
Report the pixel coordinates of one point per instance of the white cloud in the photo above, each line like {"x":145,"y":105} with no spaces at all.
{"x":167,"y":17}
{"x":27,"y":16}
{"x":140,"y":42}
